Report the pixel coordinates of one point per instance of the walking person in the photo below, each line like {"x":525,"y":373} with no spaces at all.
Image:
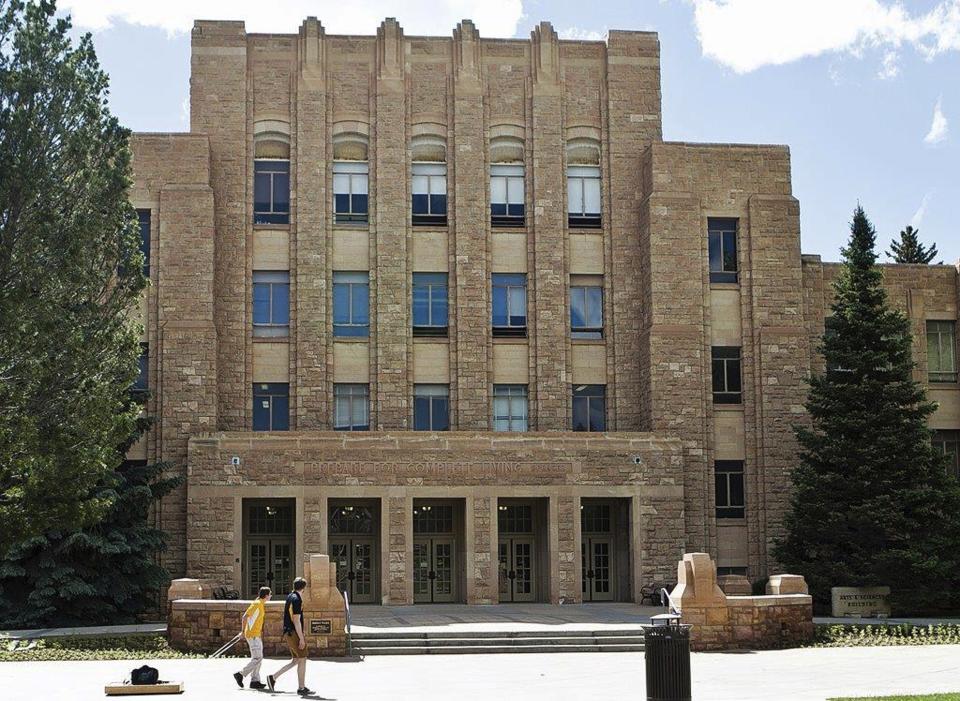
{"x":252,"y":624}
{"x":294,"y":637}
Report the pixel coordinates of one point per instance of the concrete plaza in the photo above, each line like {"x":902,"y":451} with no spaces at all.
{"x":801,"y":675}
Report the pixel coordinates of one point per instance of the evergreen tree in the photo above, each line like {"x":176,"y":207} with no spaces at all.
{"x":909,"y":249}
{"x":70,"y":271}
{"x":104,"y":574}
{"x":873,"y":502}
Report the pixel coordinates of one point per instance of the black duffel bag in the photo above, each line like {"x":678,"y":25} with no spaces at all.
{"x":144,"y":675}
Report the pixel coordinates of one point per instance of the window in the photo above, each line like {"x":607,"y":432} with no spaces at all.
{"x":510,"y":304}
{"x":431,"y":408}
{"x":722,"y":234}
{"x":583,"y":196}
{"x":942,"y":351}
{"x":506,"y":195}
{"x":509,"y":407}
{"x":728,"y":478}
{"x":515,"y":518}
{"x":742,"y":571}
{"x":429,"y":193}
{"x":948,"y":443}
{"x":144,"y":217}
{"x":586,"y":307}
{"x":351,"y":304}
{"x":271,"y":303}
{"x":350,"y":191}
{"x":141,"y":384}
{"x":271,"y":191}
{"x":429,"y":304}
{"x":589,"y":408}
{"x":726,"y":375}
{"x":271,"y":406}
{"x":351,"y":407}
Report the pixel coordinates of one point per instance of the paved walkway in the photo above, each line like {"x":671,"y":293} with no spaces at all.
{"x":787,"y":675}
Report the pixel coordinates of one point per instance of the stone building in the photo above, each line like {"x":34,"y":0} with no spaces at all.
{"x":451,"y":310}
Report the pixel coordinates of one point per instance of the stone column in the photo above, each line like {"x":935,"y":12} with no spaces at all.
{"x":547,"y":285}
{"x":470,"y":282}
{"x":398,"y":527}
{"x":482,"y":585}
{"x":563,"y":525}
{"x":389,"y":298}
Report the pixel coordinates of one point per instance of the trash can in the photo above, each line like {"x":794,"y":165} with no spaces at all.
{"x":666,"y":647}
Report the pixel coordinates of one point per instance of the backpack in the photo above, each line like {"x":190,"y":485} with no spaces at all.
{"x":144,"y":675}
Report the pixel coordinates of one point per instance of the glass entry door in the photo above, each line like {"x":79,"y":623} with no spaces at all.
{"x":597,"y":560}
{"x":356,"y":568}
{"x":433,"y":569}
{"x":516,"y":569}
{"x":269,"y":563}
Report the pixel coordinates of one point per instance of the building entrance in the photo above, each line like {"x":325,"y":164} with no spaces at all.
{"x":604,"y":549}
{"x":517,"y":553}
{"x":268,"y":545}
{"x":354,"y":539}
{"x":436,"y":563}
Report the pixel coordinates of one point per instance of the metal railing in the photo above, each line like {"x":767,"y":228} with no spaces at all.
{"x":665,"y":600}
{"x":346,"y":601}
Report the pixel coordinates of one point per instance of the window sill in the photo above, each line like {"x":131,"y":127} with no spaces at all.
{"x":728,"y":407}
{"x":511,"y":340}
{"x":271,"y":339}
{"x":588,"y":341}
{"x":351,"y":226}
{"x":586,"y":230}
{"x":271,"y":227}
{"x":430,"y":227}
{"x":943,"y":384}
{"x":351,"y":339}
{"x":432,"y":339}
{"x":724,"y":285}
{"x":731,"y":521}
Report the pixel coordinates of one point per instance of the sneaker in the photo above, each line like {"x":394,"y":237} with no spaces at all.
{"x":303,"y":691}
{"x":257,"y":685}
{"x":271,"y":682}
{"x":239,"y":678}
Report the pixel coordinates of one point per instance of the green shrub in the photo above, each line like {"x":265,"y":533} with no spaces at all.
{"x":883,"y":635}
{"x":134,"y":647}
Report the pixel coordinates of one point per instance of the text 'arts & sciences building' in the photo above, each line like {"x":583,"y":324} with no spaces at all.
{"x":450,"y":310}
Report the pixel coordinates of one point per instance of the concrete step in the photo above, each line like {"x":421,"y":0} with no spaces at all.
{"x":490,"y":642}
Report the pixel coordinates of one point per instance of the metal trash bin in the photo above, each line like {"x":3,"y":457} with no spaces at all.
{"x":667,"y":653}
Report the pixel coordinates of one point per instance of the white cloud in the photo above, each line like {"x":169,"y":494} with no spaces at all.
{"x":582,"y":34}
{"x":748,"y":34}
{"x":890,"y":68}
{"x":493,"y":18}
{"x":938,"y":126}
{"x":917,"y":218}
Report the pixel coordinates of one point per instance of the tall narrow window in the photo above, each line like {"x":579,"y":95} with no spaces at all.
{"x":942,"y":351}
{"x":586,"y":306}
{"x":722,"y":234}
{"x":948,"y":443}
{"x":429,"y":187}
{"x":271,"y":303}
{"x":271,"y":191}
{"x":589,"y":408}
{"x":350,"y":200}
{"x":727,"y":387}
{"x":509,"y":407}
{"x":506,"y":195}
{"x":271,"y":406}
{"x":583,"y":183}
{"x":510,"y":304}
{"x":431,"y":408}
{"x":351,"y":304}
{"x":143,"y":215}
{"x":351,"y":407}
{"x":728,"y":479}
{"x":429,"y":304}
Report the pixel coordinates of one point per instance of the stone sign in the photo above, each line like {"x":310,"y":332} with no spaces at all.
{"x":860,"y":601}
{"x":320,"y":626}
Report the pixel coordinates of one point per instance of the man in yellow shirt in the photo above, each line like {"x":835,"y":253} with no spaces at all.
{"x":252,"y":623}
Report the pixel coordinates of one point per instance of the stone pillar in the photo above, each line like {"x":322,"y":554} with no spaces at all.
{"x":633,"y":122}
{"x":218,"y":108}
{"x":470,"y":281}
{"x":482,"y":584}
{"x":309,"y":245}
{"x":547,"y":285}
{"x":389,"y":388}
{"x":398,"y":573}
{"x":563,"y":525}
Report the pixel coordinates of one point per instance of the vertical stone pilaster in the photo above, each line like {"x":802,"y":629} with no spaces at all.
{"x":218,"y":108}
{"x":308,"y":244}
{"x":564,"y":523}
{"x":548,"y":282}
{"x":482,"y":585}
{"x":471,"y":326}
{"x":398,"y":521}
{"x":634,"y":122}
{"x":389,"y":298}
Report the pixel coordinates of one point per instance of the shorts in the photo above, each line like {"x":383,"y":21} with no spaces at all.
{"x":293,"y":642}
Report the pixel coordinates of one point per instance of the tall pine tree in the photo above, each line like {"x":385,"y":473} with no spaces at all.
{"x":873,"y":502}
{"x":909,"y":249}
{"x":104,"y":574}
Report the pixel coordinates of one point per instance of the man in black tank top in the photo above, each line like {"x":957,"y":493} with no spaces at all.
{"x":294,"y":637}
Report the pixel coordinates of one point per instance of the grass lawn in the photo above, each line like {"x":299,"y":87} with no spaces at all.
{"x":923,"y":697}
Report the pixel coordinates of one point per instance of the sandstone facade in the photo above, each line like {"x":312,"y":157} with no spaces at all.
{"x":580,"y":515}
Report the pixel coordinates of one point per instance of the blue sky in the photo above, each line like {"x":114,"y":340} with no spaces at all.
{"x":865,"y":92}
